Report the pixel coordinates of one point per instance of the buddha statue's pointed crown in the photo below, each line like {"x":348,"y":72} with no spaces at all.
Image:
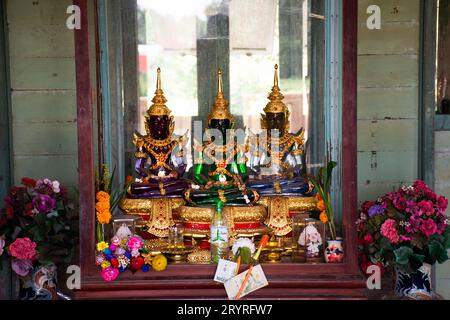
{"x":159,"y":108}
{"x":220,"y":109}
{"x":276,"y":104}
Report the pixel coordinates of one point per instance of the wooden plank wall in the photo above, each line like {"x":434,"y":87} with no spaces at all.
{"x":43,"y":90}
{"x":388,"y":93}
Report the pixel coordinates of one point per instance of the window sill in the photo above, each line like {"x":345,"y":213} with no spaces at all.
{"x":184,"y":281}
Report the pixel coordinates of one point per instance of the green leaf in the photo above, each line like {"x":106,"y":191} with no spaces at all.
{"x":402,"y":255}
{"x":245,"y":254}
{"x":417,"y":260}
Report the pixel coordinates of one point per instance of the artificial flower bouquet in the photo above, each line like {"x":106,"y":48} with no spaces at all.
{"x":35,"y":227}
{"x":405,"y":229}
{"x":126,"y":252}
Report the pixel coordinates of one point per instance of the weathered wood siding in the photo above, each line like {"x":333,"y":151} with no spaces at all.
{"x":388,"y":97}
{"x":41,"y":50}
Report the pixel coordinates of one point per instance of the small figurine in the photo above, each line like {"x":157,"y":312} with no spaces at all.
{"x":312,"y":240}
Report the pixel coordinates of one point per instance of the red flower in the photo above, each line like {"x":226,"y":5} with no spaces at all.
{"x":9,"y":213}
{"x":28,"y":182}
{"x":442,"y":203}
{"x":114,"y":263}
{"x":366,"y":206}
{"x":23,"y":248}
{"x":368,"y":239}
{"x":29,"y":209}
{"x":428,"y":227}
{"x":137,"y":263}
{"x":426,"y":207}
{"x":400,"y":203}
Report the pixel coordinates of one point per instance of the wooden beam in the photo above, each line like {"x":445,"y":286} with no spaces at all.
{"x":349,"y":130}
{"x":427,"y":100}
{"x":85,"y":141}
{"x":5,"y":150}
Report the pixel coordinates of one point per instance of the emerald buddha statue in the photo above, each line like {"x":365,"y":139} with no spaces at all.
{"x":220,"y":168}
{"x":160,"y":159}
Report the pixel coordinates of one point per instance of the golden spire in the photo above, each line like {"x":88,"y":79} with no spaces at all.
{"x":158,"y":108}
{"x":220,"y":107}
{"x":276,"y":104}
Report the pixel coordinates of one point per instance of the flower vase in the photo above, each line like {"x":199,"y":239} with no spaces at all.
{"x":40,"y":284}
{"x":334,"y":251}
{"x":416,"y":285}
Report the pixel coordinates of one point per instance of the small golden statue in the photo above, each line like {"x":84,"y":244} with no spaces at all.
{"x":276,"y":162}
{"x":160,"y":165}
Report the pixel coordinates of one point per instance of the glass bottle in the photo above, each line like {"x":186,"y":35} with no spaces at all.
{"x":219,"y":242}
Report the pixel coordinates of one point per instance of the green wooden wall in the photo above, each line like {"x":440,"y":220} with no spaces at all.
{"x":43,"y":98}
{"x":388,"y":97}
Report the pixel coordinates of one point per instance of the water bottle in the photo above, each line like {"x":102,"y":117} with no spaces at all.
{"x":219,"y":244}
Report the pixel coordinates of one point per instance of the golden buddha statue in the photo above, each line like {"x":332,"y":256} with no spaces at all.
{"x":276,"y":164}
{"x":160,"y":165}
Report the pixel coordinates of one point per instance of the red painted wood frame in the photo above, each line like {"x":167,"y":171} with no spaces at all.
{"x":289,"y":281}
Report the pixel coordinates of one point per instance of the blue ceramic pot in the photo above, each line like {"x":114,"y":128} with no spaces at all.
{"x":415,"y":285}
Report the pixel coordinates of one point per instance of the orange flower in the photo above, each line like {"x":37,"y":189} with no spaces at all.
{"x":321,"y":205}
{"x":102,"y":206}
{"x":324,"y":217}
{"x":129,"y":179}
{"x":104,"y":217}
{"x":318,"y":197}
{"x":102,"y":196}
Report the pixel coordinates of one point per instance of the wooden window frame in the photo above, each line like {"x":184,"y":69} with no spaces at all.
{"x":290,"y":280}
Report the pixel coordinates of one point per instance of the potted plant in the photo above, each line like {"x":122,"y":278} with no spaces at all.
{"x":322,"y":183}
{"x":36,"y":235}
{"x":408,"y":230}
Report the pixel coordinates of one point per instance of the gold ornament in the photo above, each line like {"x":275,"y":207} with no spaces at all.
{"x":159,"y":108}
{"x":276,"y":104}
{"x":220,"y":107}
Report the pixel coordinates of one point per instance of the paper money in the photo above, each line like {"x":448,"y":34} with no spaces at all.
{"x":257,"y":280}
{"x":225,"y":270}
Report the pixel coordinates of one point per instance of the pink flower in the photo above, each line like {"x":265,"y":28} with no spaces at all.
{"x":405,"y":238}
{"x":22,"y":267}
{"x":109,"y":274}
{"x":428,"y":227}
{"x":56,"y":186}
{"x":442,"y":203}
{"x":388,"y":230}
{"x":135,"y":242}
{"x":23,"y":248}
{"x":115,"y":240}
{"x":99,"y":259}
{"x":426,"y":207}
